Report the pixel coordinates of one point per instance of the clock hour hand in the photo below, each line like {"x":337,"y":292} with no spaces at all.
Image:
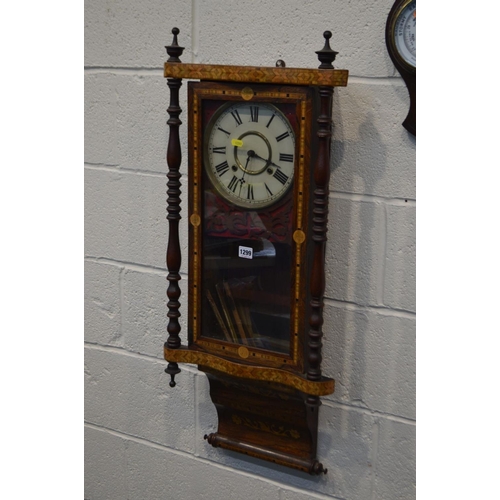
{"x":253,"y":154}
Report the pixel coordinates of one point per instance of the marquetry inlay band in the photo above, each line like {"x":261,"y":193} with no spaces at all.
{"x":257,"y":74}
{"x":315,"y":388}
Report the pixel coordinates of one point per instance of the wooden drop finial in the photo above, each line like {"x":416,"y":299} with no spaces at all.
{"x":174,"y":50}
{"x":326,"y":55}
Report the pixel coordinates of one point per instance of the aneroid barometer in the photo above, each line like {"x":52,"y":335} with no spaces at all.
{"x":401,"y":40}
{"x":258,"y":173}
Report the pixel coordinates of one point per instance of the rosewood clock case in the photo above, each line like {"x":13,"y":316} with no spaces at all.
{"x":256,"y":274}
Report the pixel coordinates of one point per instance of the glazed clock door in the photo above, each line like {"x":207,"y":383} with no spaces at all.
{"x":251,"y":183}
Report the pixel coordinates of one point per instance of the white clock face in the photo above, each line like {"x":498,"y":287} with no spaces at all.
{"x":250,"y":153}
{"x":405,"y":35}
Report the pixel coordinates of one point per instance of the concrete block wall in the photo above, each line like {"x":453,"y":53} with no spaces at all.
{"x":144,"y":440}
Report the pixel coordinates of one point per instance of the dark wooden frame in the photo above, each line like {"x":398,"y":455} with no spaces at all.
{"x":267,"y":410}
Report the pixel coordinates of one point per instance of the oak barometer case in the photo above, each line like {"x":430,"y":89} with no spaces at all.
{"x":258,"y":174}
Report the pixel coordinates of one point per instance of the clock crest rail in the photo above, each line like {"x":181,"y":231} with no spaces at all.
{"x":256,"y":74}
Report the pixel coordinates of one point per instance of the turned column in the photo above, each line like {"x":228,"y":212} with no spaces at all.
{"x":320,"y":215}
{"x":319,"y":229}
{"x":174,"y":157}
{"x":321,"y":176}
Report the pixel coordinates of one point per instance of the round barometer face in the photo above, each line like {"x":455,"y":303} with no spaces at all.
{"x":405,"y":32}
{"x":250,"y":153}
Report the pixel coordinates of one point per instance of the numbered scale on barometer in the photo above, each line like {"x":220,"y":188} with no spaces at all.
{"x":406,"y":33}
{"x":401,"y":40}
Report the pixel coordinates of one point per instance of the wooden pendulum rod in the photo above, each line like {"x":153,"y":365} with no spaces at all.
{"x":174,"y":157}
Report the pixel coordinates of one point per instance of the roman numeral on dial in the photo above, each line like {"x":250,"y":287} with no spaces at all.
{"x":280,"y":176}
{"x":250,"y":192}
{"x":233,"y":183}
{"x":286,"y":157}
{"x":220,"y":149}
{"x":254,"y":113}
{"x":222,"y":168}
{"x":284,"y":135}
{"x":222,"y":130}
{"x":236,"y":116}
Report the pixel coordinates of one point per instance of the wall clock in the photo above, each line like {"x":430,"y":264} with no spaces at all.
{"x":401,"y":40}
{"x":258,"y":174}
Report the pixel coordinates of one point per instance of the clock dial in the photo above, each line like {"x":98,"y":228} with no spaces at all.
{"x":405,"y":33}
{"x":250,"y":153}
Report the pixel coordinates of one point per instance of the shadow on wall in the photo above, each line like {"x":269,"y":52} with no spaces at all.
{"x":355,"y":256}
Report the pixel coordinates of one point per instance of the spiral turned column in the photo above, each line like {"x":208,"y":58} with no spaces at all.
{"x":174,"y":157}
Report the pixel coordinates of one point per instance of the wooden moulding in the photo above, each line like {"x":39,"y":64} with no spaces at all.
{"x":201,"y":94}
{"x":264,"y":420}
{"x":321,"y":387}
{"x":257,"y":74}
{"x":218,"y":440}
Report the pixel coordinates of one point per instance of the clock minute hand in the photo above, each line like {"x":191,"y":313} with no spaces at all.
{"x":253,"y":154}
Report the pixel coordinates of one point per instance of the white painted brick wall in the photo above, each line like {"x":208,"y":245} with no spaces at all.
{"x":144,"y":440}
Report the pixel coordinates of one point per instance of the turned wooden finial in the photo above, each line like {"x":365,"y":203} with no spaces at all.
{"x":174,"y":50}
{"x":326,"y":55}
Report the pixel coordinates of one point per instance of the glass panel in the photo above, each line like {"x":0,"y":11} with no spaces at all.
{"x":248,"y":177}
{"x":247,"y":291}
